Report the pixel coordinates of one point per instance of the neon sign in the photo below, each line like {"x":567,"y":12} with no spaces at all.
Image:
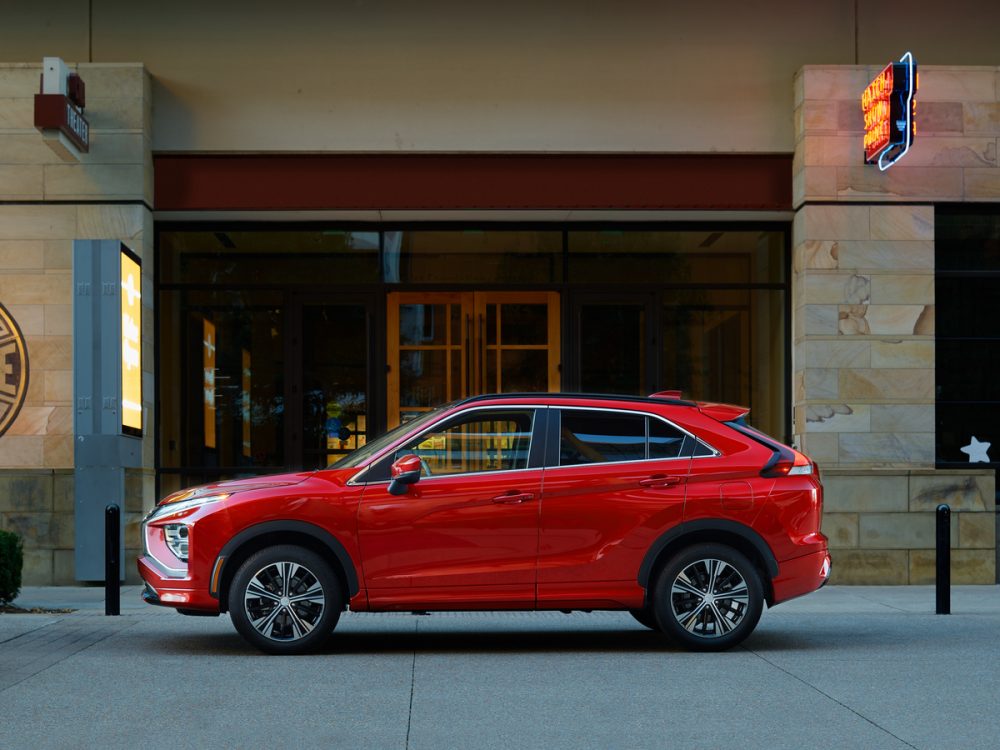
{"x":889,"y":106}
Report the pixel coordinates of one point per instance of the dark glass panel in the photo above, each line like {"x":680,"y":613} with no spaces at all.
{"x":268,"y":257}
{"x":524,"y":370}
{"x":728,"y":346}
{"x":246,"y":384}
{"x":335,"y":381}
{"x":613,"y":349}
{"x":967,"y":371}
{"x":958,"y":424}
{"x":684,"y":257}
{"x":423,"y":324}
{"x":966,"y":307}
{"x":967,"y":239}
{"x":423,"y":378}
{"x":523,"y":323}
{"x":472,"y":257}
{"x":588,"y":437}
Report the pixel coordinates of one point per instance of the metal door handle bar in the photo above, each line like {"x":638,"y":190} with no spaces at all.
{"x":513,"y":498}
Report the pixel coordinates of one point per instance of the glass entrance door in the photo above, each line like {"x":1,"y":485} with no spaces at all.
{"x":442,"y":346}
{"x":333,"y":402}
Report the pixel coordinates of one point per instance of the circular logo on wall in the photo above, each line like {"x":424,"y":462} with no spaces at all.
{"x":13,"y":370}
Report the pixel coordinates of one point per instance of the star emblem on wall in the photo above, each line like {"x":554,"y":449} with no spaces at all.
{"x":976,"y":451}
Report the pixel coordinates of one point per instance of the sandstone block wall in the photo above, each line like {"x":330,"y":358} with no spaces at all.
{"x":46,"y":203}
{"x":863,"y":319}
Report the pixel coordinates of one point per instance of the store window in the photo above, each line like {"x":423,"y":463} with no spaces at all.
{"x":281,"y":349}
{"x":967,"y":346}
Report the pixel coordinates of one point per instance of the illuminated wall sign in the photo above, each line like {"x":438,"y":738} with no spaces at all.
{"x":59,"y":110}
{"x":13,"y":370}
{"x":208,"y":368}
{"x":131,"y":342}
{"x":889,"y":106}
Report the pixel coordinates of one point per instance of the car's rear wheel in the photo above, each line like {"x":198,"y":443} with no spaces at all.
{"x":708,"y":597}
{"x":285,"y":600}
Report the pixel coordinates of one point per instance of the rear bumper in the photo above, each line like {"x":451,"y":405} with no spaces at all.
{"x":173,"y":592}
{"x":801,"y":575}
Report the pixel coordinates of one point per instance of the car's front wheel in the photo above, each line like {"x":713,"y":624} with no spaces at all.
{"x":285,"y":600}
{"x":709,"y":597}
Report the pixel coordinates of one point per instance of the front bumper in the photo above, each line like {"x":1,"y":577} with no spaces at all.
{"x":802,"y":575}
{"x":173,"y":592}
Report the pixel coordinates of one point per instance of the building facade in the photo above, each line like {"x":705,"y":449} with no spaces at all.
{"x":347,"y":216}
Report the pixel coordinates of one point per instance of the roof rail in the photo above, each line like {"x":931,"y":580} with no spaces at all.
{"x":595,"y":396}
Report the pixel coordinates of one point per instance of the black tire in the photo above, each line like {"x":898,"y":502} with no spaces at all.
{"x":703,"y":624}
{"x":645,"y":616}
{"x":298,"y":583}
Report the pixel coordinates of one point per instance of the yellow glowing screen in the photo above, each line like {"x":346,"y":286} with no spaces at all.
{"x":131,"y":344}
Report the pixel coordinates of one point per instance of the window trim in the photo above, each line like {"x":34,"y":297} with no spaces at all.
{"x":552,"y":441}
{"x":536,"y":428}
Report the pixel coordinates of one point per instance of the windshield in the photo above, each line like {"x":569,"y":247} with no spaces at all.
{"x":361,"y":455}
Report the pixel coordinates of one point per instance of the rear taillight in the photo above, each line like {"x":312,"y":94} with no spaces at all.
{"x":787,"y":462}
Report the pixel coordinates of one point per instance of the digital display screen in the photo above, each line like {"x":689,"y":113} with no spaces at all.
{"x":131,"y":343}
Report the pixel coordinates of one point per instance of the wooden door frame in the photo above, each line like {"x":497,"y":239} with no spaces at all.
{"x":473,"y":304}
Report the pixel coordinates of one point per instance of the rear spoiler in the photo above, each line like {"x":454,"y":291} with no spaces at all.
{"x":720,"y":412}
{"x":723,"y":412}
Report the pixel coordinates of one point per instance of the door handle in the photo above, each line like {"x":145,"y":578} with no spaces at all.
{"x":660,"y":480}
{"x":513,"y":498}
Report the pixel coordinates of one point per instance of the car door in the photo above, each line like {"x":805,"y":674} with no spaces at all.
{"x":466,"y":533}
{"x":614,"y":480}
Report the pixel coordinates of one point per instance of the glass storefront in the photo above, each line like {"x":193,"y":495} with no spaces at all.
{"x":967,"y":338}
{"x":285,"y":348}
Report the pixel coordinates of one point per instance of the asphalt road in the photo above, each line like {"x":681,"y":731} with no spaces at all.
{"x":847,"y":667}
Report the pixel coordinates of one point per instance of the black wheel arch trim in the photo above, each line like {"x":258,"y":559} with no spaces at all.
{"x":298,"y":527}
{"x":701,"y":525}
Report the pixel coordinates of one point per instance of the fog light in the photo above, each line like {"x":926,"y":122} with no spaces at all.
{"x":176,"y":536}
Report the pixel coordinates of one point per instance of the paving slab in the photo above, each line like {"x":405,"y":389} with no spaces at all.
{"x":844,"y":667}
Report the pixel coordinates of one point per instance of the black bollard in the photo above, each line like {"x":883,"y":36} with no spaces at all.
{"x":943,"y":560}
{"x":112,"y":560}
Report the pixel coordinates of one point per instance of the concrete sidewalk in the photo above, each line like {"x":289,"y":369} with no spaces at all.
{"x":845,"y":667}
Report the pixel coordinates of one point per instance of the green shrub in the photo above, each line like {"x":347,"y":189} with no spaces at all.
{"x":11,"y":562}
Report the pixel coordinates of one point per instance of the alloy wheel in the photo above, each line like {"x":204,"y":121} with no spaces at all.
{"x":709,"y":598}
{"x":284,"y":601}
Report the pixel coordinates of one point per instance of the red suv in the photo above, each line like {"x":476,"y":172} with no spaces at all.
{"x":674,"y":510}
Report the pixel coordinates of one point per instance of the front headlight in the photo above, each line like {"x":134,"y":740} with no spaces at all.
{"x":169,"y":508}
{"x":176,"y":537}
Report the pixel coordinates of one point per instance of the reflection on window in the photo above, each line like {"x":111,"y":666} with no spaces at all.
{"x":665,"y":441}
{"x":596,"y":437}
{"x":498,"y":441}
{"x":472,"y":256}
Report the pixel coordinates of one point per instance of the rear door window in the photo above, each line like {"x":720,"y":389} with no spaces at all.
{"x":591,"y":437}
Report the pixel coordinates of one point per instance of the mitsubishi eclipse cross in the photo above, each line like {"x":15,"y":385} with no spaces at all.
{"x":676,"y":511}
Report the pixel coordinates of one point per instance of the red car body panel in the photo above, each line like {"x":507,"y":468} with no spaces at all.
{"x":462,"y":538}
{"x":566,"y":537}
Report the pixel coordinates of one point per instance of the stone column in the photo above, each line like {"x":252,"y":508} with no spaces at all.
{"x":46,"y":203}
{"x":863,"y":319}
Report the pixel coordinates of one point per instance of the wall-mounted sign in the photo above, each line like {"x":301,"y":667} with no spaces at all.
{"x":131,"y":342}
{"x":208,"y":380}
{"x":13,"y":370}
{"x":889,"y":105}
{"x":59,"y":110}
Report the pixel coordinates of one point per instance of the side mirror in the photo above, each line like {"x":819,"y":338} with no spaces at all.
{"x":404,"y":472}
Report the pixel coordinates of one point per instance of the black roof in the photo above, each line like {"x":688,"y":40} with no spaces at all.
{"x":594,"y":396}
